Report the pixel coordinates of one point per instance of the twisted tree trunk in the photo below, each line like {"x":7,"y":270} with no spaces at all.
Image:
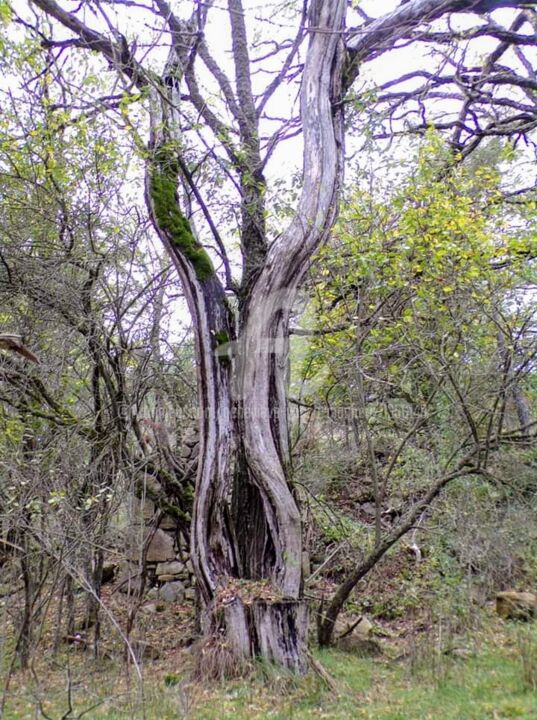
{"x":246,"y":537}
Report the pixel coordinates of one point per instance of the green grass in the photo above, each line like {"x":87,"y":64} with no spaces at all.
{"x":498,"y":682}
{"x":489,"y":686}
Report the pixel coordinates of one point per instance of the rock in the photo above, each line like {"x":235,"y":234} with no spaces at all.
{"x":131,"y":586}
{"x":189,"y":567}
{"x":149,"y":509}
{"x":153,"y":486}
{"x":170,"y":568}
{"x":149,"y":608}
{"x":358,"y":641}
{"x":184,"y":547}
{"x":168,"y":522}
{"x":129,"y":580}
{"x":172,"y":592}
{"x":511,"y":605}
{"x":191,"y":436}
{"x":190,"y":594}
{"x":359,"y":645}
{"x":167,"y":578}
{"x":161,"y":548}
{"x":152,"y":594}
{"x":194,"y":451}
{"x":363,"y":627}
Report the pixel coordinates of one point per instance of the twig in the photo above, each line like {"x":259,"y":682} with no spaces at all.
{"x":351,"y":628}
{"x":323,"y":674}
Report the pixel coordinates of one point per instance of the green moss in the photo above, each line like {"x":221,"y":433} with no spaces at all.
{"x":221,"y":337}
{"x":223,"y":347}
{"x":171,"y":220}
{"x":174,"y":510}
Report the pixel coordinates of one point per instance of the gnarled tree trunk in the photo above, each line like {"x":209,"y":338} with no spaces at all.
{"x":246,"y":537}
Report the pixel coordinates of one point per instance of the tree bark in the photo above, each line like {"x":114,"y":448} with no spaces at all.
{"x":246,"y":536}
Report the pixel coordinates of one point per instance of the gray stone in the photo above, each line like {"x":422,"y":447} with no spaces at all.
{"x":362,"y":628}
{"x":172,"y":592}
{"x":170,"y":568}
{"x":190,"y":594}
{"x":150,"y":608}
{"x":161,"y":548}
{"x":153,"y":486}
{"x":129,"y":580}
{"x":168,"y":522}
{"x":149,"y":509}
{"x":184,"y":548}
{"x":359,"y":645}
{"x":128,"y":569}
{"x":191,"y":436}
{"x":359,"y":640}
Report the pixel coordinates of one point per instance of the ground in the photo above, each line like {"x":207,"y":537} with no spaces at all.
{"x":488,"y":672}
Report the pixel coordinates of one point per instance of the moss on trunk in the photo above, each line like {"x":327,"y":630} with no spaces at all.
{"x":163,"y":189}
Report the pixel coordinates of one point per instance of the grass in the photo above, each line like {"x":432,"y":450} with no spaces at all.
{"x":494,"y":683}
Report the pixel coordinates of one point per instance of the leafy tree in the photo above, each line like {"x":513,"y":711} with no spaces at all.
{"x":424,"y":333}
{"x":204,"y":125}
{"x":78,"y":281}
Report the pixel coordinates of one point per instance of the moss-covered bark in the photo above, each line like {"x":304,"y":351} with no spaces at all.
{"x":163,"y":189}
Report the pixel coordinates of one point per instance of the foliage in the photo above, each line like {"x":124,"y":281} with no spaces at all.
{"x":81,"y":281}
{"x":414,"y":281}
{"x":422,"y":352}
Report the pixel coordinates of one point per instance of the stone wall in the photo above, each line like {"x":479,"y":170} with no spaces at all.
{"x":169,"y":573}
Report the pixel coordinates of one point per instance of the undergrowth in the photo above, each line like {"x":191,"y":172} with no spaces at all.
{"x":495,"y":679}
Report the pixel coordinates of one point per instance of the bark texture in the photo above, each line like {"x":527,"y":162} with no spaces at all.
{"x":246,"y":523}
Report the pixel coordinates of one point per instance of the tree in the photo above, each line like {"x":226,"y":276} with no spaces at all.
{"x":246,"y":537}
{"x":74,"y":279}
{"x":424,"y":332}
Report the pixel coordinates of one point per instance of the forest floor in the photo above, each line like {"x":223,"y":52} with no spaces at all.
{"x":486,"y":673}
